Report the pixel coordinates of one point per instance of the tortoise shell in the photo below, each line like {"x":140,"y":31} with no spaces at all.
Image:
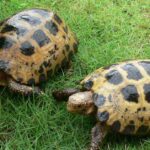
{"x":34,"y":44}
{"x":121,"y":93}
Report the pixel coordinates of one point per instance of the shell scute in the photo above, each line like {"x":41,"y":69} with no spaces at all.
{"x":8,"y":28}
{"x":145,"y":65}
{"x":130,"y":93}
{"x":27,"y":49}
{"x":52,"y":27}
{"x":114,"y":77}
{"x":147,"y":92}
{"x":6,"y":42}
{"x":40,"y":37}
{"x":133,"y":72}
{"x":32,"y":20}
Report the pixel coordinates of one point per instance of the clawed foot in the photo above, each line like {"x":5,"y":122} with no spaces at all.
{"x":98,"y":134}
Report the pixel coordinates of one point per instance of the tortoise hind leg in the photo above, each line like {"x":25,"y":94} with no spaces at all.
{"x":23,"y":89}
{"x":98,"y":134}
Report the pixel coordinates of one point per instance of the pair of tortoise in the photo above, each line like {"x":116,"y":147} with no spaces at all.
{"x":35,"y":43}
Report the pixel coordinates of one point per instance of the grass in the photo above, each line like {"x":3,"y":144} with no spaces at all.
{"x":109,"y":31}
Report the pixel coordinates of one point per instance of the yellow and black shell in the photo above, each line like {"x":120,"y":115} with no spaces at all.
{"x":121,"y":93}
{"x":34,"y":44}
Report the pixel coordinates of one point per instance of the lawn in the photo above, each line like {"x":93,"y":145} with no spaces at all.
{"x":109,"y":31}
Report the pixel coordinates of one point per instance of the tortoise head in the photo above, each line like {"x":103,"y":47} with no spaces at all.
{"x":81,"y":103}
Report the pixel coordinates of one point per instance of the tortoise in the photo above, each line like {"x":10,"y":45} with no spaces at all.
{"x":34,"y":44}
{"x":118,"y":95}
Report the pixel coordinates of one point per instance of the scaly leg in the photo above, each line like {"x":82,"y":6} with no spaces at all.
{"x":98,"y":134}
{"x":63,"y":95}
{"x":23,"y":89}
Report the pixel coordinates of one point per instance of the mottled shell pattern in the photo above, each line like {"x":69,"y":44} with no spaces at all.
{"x":34,"y":44}
{"x":121,"y":93}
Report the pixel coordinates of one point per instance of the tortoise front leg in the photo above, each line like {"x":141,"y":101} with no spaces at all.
{"x":63,"y":95}
{"x":23,"y":89}
{"x":98,"y":134}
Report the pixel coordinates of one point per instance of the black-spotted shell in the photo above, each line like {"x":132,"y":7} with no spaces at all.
{"x":34,"y":44}
{"x":121,"y":93}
